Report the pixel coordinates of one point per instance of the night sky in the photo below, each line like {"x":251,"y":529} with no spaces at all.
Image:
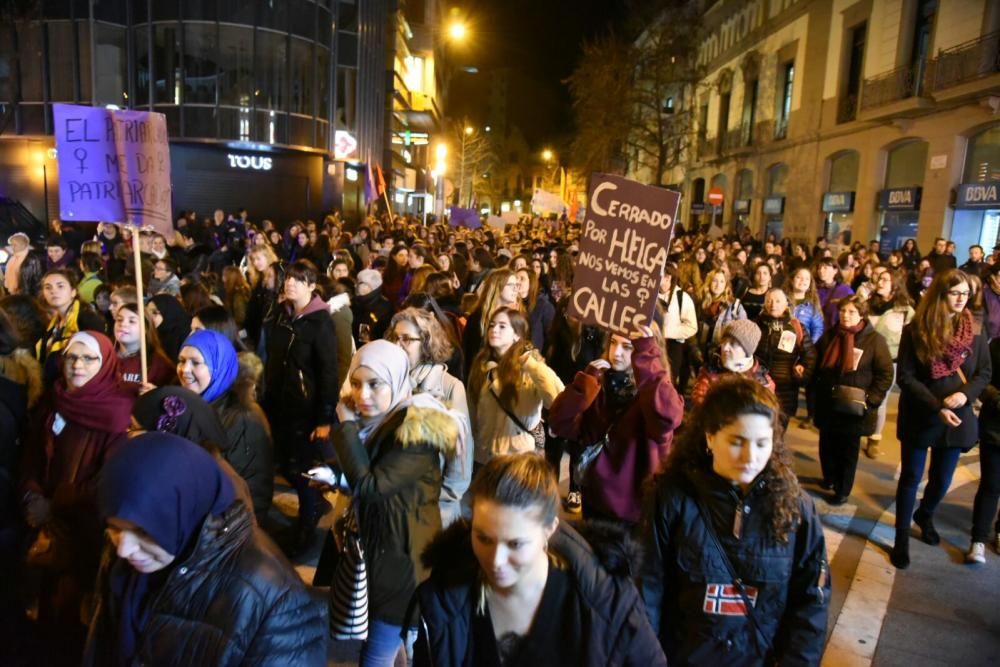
{"x":539,"y":40}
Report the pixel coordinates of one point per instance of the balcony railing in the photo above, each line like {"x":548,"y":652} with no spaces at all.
{"x":898,"y":84}
{"x":706,"y":146}
{"x":847,"y":108}
{"x":963,"y":63}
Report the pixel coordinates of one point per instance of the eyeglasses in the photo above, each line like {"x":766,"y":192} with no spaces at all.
{"x":88,"y":360}
{"x":408,"y":340}
{"x":958,"y":294}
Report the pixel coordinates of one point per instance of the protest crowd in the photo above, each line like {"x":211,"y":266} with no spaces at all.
{"x":424,"y":383}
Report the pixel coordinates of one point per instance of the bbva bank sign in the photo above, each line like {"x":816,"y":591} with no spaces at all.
{"x":978,"y":195}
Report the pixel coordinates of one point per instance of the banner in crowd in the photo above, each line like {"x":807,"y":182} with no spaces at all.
{"x":464,"y":216}
{"x":623,"y":249}
{"x":114,"y":166}
{"x":543,"y":203}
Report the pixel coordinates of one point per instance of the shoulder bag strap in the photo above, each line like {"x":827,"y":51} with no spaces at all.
{"x":759,"y":635}
{"x":503,"y":407}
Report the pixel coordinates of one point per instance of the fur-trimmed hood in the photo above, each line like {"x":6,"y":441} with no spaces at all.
{"x":338,"y":302}
{"x":429,"y":426}
{"x":20,"y":367}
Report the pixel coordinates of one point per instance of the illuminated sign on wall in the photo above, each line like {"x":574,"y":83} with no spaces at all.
{"x":255,"y":162}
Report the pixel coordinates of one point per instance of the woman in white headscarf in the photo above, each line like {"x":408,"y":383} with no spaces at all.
{"x":390,"y":445}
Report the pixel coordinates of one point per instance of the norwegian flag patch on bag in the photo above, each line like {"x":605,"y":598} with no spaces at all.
{"x":725,"y":600}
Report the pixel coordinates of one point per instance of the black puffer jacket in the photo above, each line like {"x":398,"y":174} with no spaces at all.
{"x":374,"y":310}
{"x":873,"y":374}
{"x":250,"y":451}
{"x":612,"y":627}
{"x":301,"y":380}
{"x":689,"y":593}
{"x":234,"y":601}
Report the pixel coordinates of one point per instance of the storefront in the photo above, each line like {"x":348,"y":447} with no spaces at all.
{"x":742,"y":200}
{"x":276,"y":184}
{"x":977,"y":204}
{"x":899,"y":201}
{"x":741,"y":214}
{"x":774,"y":203}
{"x":838,"y":200}
{"x":838,"y":212}
{"x":774,"y":215}
{"x":900,"y":216}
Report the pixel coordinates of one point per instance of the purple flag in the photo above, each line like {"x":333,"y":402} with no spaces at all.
{"x":464,"y":216}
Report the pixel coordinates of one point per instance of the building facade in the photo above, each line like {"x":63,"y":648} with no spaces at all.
{"x":852,"y":119}
{"x":272,"y":106}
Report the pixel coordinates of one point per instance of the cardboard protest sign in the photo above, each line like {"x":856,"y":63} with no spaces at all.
{"x":623,"y":249}
{"x":464,"y":216}
{"x":114,"y":166}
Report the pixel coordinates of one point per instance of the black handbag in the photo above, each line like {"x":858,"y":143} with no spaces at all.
{"x":538,"y":433}
{"x":848,"y":400}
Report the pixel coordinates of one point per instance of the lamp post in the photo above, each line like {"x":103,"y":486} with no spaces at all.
{"x":467,"y":132}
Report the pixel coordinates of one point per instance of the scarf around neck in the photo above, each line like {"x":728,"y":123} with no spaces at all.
{"x":958,"y":348}
{"x":840,"y":352}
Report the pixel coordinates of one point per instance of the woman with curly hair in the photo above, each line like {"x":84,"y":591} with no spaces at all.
{"x":736,"y":567}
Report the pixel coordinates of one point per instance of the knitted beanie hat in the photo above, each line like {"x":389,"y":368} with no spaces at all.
{"x":744,"y":332}
{"x":370,"y":277}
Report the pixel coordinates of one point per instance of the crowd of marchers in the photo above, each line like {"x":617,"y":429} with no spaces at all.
{"x":435,"y":378}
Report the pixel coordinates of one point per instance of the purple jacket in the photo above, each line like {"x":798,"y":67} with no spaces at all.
{"x":992,"y":321}
{"x":829,"y":298}
{"x":639,"y":438}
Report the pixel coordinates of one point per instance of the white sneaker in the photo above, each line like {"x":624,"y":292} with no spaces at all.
{"x":977,"y":553}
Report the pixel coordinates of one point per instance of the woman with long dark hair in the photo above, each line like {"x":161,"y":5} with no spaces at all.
{"x":509,"y":384}
{"x":736,"y":569}
{"x":943,"y":367}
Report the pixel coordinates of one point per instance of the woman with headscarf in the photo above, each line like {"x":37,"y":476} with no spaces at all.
{"x":390,"y":444}
{"x":172,"y":322}
{"x":187,"y":577}
{"x":208,"y":366}
{"x":85,"y":420}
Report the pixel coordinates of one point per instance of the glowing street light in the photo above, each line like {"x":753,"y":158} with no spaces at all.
{"x":547,"y":155}
{"x":469,"y":130}
{"x":457,"y":31}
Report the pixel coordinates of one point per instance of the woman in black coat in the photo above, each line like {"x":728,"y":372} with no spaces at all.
{"x":556,"y":597}
{"x":390,"y":444}
{"x":785,"y":350}
{"x":730,"y":474}
{"x":842,"y":422}
{"x":301,"y":386}
{"x":942,"y":368}
{"x":187,"y":578}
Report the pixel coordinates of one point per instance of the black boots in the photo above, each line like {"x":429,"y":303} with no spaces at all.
{"x":900,"y":554}
{"x":926,"y":523}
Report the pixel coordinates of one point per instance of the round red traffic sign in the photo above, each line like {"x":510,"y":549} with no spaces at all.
{"x":715,"y":196}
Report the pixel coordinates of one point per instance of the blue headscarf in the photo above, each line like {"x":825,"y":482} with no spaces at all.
{"x":167,"y":486}
{"x":220,"y":355}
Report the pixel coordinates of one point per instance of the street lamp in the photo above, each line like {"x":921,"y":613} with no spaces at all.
{"x":547,"y":155}
{"x":457,"y":31}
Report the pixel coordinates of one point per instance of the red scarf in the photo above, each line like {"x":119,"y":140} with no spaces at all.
{"x":958,"y":348}
{"x":840,"y":351}
{"x":100,"y":405}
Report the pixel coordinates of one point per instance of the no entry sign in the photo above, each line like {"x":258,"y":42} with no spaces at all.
{"x":715,"y":196}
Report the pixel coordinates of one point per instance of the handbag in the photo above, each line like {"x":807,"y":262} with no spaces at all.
{"x":848,"y":400}
{"x":538,"y":433}
{"x":588,"y":456}
{"x":348,"y":604}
